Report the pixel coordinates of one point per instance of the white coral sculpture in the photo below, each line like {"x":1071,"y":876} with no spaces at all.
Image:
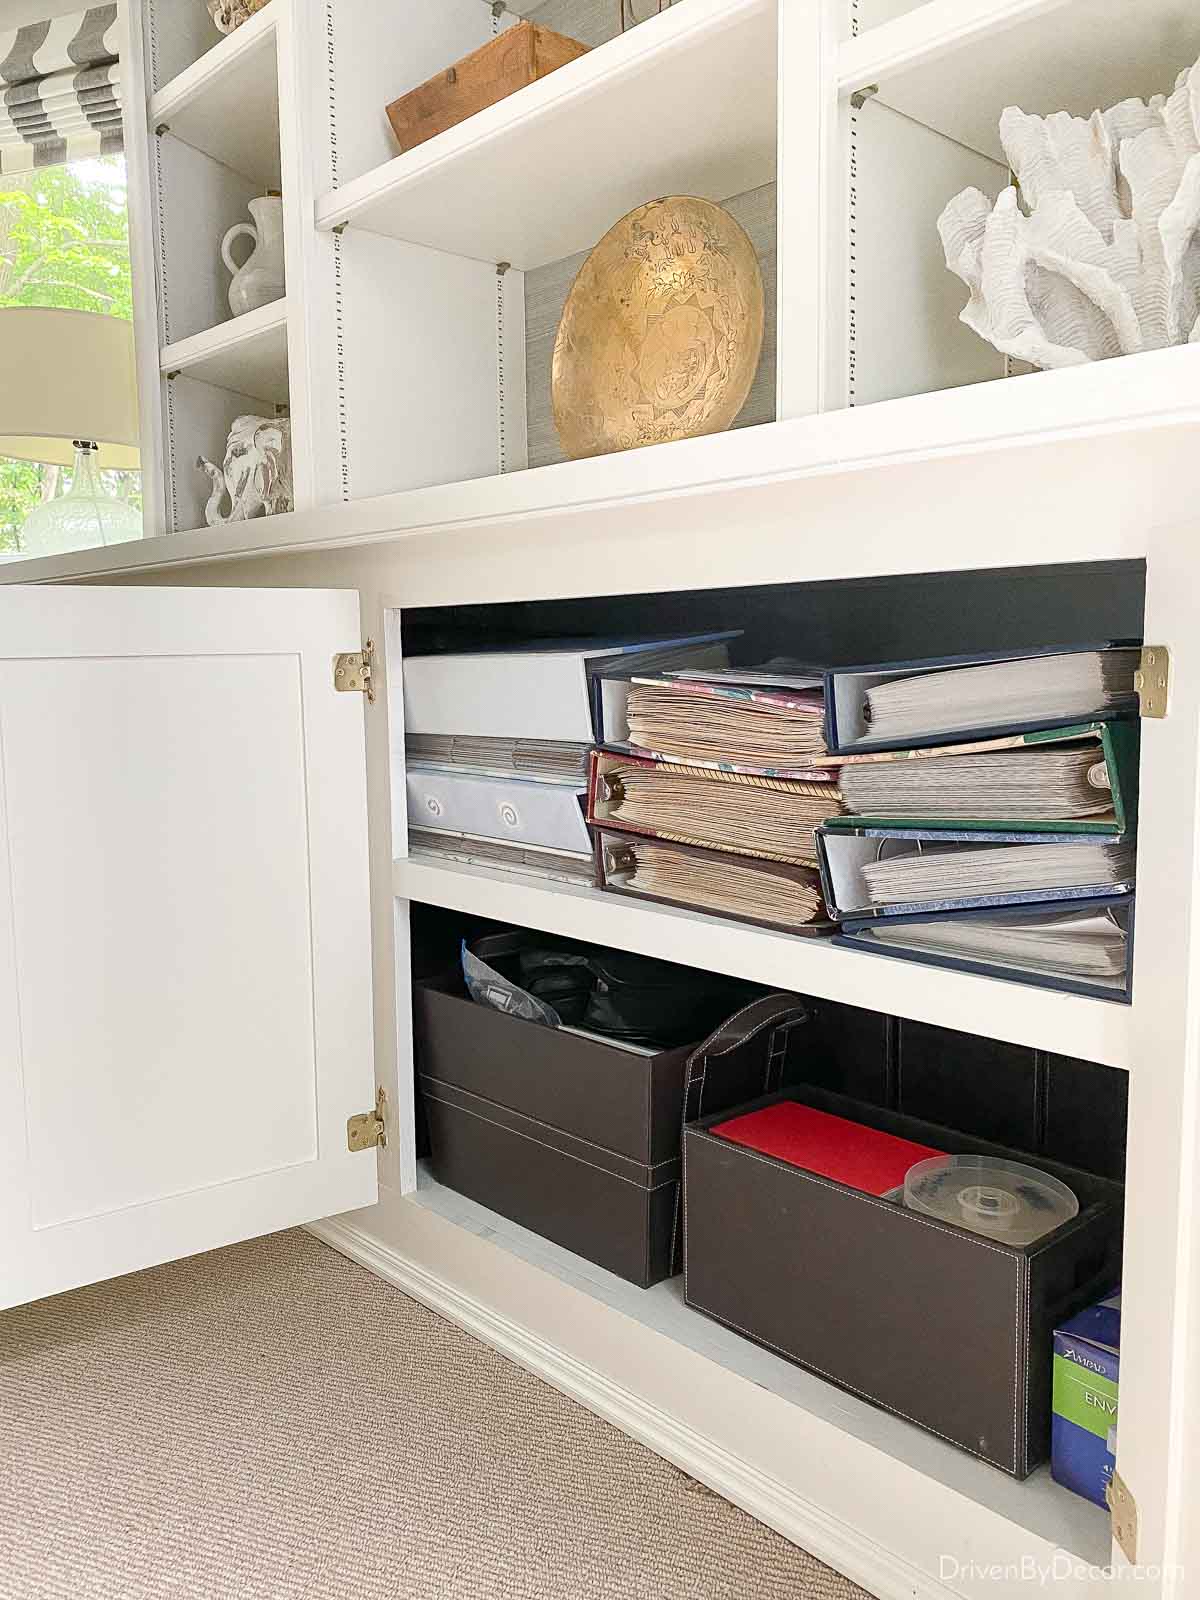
{"x":1096,"y":254}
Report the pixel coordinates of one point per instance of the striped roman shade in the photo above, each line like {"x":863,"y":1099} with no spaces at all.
{"x":60,"y":90}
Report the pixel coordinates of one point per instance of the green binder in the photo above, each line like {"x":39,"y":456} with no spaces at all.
{"x":1117,"y":745}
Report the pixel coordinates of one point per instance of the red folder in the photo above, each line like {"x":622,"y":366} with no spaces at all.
{"x":833,"y":1147}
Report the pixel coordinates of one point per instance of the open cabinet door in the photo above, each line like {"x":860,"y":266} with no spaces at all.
{"x":185,"y":964}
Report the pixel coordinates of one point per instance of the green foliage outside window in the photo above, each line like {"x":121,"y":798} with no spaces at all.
{"x":64,"y":241}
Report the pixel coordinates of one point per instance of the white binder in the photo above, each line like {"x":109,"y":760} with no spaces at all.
{"x":575,"y":690}
{"x":550,"y":815}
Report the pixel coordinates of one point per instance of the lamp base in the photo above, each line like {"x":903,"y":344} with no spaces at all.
{"x":83,"y":517}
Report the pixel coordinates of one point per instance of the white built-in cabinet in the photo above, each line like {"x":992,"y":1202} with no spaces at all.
{"x":204,"y":912}
{"x":412,"y":350}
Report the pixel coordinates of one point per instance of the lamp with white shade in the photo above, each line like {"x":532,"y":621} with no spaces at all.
{"x":68,"y":395}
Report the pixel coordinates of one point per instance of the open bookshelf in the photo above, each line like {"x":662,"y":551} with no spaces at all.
{"x":426,"y":284}
{"x":215,"y":142}
{"x":492,"y":188}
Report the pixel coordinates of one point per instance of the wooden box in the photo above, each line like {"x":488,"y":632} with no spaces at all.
{"x":520,"y":55}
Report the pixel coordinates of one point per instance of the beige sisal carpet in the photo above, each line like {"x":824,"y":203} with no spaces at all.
{"x":271,"y":1422}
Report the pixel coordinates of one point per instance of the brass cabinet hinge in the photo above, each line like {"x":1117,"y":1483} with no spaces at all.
{"x":1152,"y":680}
{"x":1124,"y":1511}
{"x":369,"y":1130}
{"x":353,"y":673}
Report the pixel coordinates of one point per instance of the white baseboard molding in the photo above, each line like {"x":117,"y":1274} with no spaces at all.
{"x":879,"y":1571}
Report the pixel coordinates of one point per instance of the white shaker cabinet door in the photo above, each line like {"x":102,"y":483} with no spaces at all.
{"x":185,"y":1000}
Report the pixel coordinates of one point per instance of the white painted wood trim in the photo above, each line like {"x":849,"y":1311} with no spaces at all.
{"x":834,"y":207}
{"x":512,"y":414}
{"x":304,"y":326}
{"x":1183,"y":1526}
{"x":802,"y":1521}
{"x":690,"y":1410}
{"x":142,"y":255}
{"x":803,"y":254}
{"x":1139,"y":395}
{"x":1097,"y":1030}
{"x":1162,"y":1273}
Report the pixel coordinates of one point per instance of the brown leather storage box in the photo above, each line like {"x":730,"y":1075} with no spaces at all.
{"x":573,"y":1138}
{"x":934,"y":1323}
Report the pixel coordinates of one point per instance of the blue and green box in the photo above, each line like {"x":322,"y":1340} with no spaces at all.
{"x":1087,"y":1359}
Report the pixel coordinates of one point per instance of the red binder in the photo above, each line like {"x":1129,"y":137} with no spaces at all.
{"x":833,"y":1147}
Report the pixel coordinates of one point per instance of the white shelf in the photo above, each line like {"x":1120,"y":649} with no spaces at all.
{"x":248,"y":354}
{"x":1043,"y":55}
{"x":1072,"y":1025}
{"x":1038,"y":1505}
{"x":1116,"y":435}
{"x":683,"y":103}
{"x":227,"y":103}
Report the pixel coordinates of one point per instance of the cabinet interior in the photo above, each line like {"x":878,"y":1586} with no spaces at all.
{"x":859,"y":620}
{"x":1035,"y":1102}
{"x":1015,"y":1094}
{"x":881,"y":1058}
{"x":1046,"y":1106}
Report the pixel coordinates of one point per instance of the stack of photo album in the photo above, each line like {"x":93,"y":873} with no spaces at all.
{"x":716,"y":802}
{"x":977,"y":813}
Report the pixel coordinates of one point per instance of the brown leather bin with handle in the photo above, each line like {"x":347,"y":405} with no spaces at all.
{"x":934,"y":1323}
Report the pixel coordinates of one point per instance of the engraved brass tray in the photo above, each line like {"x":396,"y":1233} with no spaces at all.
{"x":662,"y":330}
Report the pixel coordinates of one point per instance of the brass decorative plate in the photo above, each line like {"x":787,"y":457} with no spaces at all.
{"x":662,"y":330}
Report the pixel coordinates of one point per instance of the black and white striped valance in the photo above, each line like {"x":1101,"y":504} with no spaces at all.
{"x":60,"y":90}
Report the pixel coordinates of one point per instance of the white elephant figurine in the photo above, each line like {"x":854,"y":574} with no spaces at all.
{"x":256,"y":478}
{"x":230,"y":14}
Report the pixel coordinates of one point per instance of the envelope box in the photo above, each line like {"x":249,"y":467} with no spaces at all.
{"x":1087,"y":1370}
{"x":944,"y":1327}
{"x":571,"y":1137}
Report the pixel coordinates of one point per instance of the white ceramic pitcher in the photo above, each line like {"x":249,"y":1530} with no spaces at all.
{"x":261,"y":279}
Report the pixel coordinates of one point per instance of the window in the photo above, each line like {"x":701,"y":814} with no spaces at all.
{"x":64,"y":242}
